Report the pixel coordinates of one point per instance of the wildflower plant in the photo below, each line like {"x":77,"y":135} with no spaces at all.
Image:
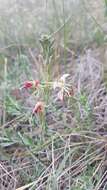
{"x":44,"y":86}
{"x":41,"y":105}
{"x":45,"y":90}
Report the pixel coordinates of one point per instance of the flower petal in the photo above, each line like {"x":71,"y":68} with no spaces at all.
{"x":28,"y":84}
{"x":56,"y":84}
{"x":60,"y":95}
{"x":39,"y":108}
{"x":64,"y":77}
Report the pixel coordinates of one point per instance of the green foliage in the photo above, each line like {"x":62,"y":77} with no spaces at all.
{"x":105,"y":7}
{"x":18,"y":70}
{"x":26,"y":140}
{"x":13,"y":107}
{"x":99,"y":36}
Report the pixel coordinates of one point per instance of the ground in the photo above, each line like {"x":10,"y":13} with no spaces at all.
{"x":53,"y":96}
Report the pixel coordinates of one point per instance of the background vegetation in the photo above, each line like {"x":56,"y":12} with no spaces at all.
{"x":64,"y":145}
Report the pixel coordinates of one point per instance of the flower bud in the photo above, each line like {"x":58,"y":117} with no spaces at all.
{"x":31,"y":84}
{"x":39,"y":108}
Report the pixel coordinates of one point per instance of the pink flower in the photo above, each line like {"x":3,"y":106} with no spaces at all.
{"x":62,"y":86}
{"x":39,"y":108}
{"x":31,"y":84}
{"x":36,"y":83}
{"x":28,"y":84}
{"x":65,"y":89}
